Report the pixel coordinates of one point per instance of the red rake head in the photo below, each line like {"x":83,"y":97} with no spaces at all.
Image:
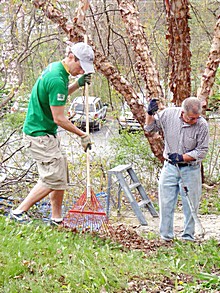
{"x":88,"y":203}
{"x":87,"y":215}
{"x":83,"y":222}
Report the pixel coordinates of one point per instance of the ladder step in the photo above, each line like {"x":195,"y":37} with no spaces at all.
{"x":119,"y":168}
{"x":143,"y":203}
{"x":136,"y":206}
{"x":134,"y":185}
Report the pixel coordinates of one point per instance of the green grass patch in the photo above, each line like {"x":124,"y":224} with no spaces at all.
{"x":38,"y":258}
{"x":210,"y":201}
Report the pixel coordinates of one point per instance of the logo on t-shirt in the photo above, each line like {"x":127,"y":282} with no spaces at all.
{"x":61,"y":97}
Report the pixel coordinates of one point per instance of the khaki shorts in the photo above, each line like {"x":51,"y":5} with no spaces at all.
{"x":51,"y":162}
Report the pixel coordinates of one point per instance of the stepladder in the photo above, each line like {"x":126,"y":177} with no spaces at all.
{"x":129,"y":183}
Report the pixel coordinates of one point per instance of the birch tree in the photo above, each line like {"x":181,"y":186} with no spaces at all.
{"x":178,"y":36}
{"x":212,"y":65}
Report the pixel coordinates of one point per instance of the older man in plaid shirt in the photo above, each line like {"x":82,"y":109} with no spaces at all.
{"x":186,"y":145}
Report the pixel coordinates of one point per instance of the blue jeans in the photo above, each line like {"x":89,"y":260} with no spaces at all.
{"x":170,"y":185}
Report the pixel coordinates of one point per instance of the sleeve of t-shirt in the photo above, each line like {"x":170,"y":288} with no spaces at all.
{"x":58,"y":92}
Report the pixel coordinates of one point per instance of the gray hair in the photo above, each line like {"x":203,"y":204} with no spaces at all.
{"x":192,"y":104}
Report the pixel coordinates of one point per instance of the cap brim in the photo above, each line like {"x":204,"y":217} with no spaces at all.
{"x":88,"y":67}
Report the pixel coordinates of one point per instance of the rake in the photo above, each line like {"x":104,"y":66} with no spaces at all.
{"x":87,"y":214}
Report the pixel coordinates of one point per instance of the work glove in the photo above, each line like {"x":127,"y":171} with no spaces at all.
{"x":175,"y":158}
{"x":152,"y":107}
{"x":86,"y":142}
{"x":85,"y":78}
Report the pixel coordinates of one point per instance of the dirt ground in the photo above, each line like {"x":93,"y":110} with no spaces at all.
{"x":132,"y":235}
{"x":210,"y":223}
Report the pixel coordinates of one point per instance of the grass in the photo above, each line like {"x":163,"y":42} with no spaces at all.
{"x":37,"y":258}
{"x":210,"y":203}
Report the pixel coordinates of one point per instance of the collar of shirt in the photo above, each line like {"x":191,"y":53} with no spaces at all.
{"x":65,"y":66}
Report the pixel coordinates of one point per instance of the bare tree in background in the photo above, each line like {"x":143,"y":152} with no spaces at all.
{"x":19,"y":48}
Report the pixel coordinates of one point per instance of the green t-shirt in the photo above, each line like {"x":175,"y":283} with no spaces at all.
{"x":51,"y":89}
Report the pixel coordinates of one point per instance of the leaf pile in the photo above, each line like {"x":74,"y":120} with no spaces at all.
{"x":130,"y":239}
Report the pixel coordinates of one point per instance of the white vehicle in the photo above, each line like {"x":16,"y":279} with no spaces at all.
{"x":126,"y":118}
{"x":97,"y":112}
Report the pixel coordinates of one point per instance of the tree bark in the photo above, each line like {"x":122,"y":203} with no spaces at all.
{"x":145,"y":65}
{"x":177,"y":12}
{"x":212,"y":65}
{"x":144,"y":62}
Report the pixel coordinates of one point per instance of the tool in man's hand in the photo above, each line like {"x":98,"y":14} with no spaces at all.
{"x":175,"y":158}
{"x":85,"y":78}
{"x":87,"y":214}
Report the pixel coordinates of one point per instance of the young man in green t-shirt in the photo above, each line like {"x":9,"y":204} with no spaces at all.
{"x":45,"y":113}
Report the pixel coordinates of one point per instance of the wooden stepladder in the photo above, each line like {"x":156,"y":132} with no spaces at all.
{"x":121,"y":172}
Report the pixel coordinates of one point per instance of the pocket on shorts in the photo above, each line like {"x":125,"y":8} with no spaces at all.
{"x":53,"y":173}
{"x":44,"y":148}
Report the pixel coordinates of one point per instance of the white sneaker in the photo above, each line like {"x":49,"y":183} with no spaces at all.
{"x":21,"y":217}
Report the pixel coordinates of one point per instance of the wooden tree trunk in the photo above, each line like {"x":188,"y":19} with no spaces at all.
{"x":212,"y":65}
{"x":179,"y":49}
{"x":145,"y":64}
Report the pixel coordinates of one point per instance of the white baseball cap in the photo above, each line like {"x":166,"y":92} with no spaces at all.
{"x":85,"y":55}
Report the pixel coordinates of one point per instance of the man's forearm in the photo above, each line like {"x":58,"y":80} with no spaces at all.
{"x":62,"y":121}
{"x":187,"y":158}
{"x":149,"y":119}
{"x":74,"y":86}
{"x":69,"y":126}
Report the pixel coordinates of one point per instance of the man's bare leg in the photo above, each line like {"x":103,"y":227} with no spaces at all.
{"x":56,"y":199}
{"x":36,"y":194}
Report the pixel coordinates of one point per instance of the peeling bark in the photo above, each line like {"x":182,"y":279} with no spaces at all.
{"x":145,"y":64}
{"x":75,"y":32}
{"x":212,"y":65}
{"x":178,"y":35}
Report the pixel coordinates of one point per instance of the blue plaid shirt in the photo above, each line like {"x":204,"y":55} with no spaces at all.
{"x":180,"y":137}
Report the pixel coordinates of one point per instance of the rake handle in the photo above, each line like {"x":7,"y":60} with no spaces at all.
{"x":88,"y":184}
